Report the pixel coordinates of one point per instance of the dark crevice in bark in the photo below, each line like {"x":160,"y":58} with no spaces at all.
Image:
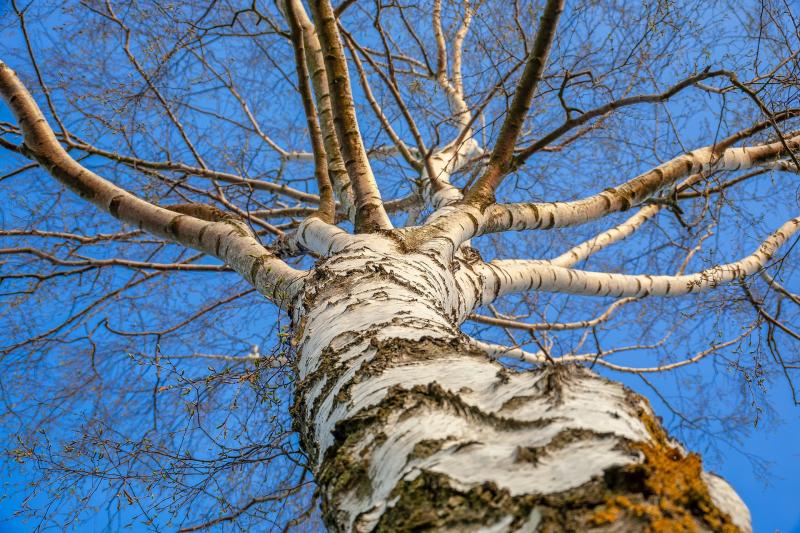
{"x":663,"y":492}
{"x":381,"y":472}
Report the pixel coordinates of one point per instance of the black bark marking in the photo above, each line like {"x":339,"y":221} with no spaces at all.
{"x":551,"y":220}
{"x":113,"y":205}
{"x":474,"y":221}
{"x":171,"y":228}
{"x":202,"y":232}
{"x":565,"y":437}
{"x":254,"y":268}
{"x":606,"y":200}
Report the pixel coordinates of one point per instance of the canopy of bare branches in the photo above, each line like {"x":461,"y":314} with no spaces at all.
{"x":172,"y":172}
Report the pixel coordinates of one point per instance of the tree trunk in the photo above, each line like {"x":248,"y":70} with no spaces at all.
{"x":412,"y":428}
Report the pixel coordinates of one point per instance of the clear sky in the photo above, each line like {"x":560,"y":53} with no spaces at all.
{"x":772,"y":498}
{"x":772,"y":495}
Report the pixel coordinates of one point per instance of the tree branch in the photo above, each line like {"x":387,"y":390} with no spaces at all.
{"x":603,"y":110}
{"x":315,"y":64}
{"x":326,"y":211}
{"x":229,"y":240}
{"x":513,"y":276}
{"x":501,"y":217}
{"x":370,"y":213}
{"x":497,"y":351}
{"x":482,"y":193}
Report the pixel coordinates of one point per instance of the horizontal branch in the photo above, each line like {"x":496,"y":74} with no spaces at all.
{"x":83,"y":239}
{"x":497,"y":351}
{"x":97,"y":263}
{"x":551,"y":326}
{"x":175,"y":166}
{"x":515,"y":276}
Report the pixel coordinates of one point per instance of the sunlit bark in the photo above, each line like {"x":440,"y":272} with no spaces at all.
{"x":408,"y":423}
{"x":413,"y":426}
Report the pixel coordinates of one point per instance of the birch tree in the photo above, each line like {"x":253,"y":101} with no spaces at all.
{"x":468,"y":215}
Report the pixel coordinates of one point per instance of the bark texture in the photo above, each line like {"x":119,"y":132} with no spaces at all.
{"x":410,"y":424}
{"x":412,"y":427}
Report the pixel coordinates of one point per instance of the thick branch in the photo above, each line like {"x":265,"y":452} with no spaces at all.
{"x":500,"y":217}
{"x":315,"y":64}
{"x":621,"y":231}
{"x":229,"y":240}
{"x":482,"y":193}
{"x":370,"y":213}
{"x":327,"y":206}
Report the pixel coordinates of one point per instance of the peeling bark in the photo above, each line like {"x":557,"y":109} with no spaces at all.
{"x":408,"y":423}
{"x":411,"y":427}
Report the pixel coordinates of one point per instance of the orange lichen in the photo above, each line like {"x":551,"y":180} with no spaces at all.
{"x":608,"y":514}
{"x":674,"y":498}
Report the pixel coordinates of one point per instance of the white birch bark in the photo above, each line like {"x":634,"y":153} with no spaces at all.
{"x":408,"y":425}
{"x":511,"y":276}
{"x":631,"y":193}
{"x":458,"y":224}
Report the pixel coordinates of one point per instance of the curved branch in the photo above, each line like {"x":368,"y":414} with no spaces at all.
{"x":572,"y":123}
{"x":435,"y":177}
{"x":453,"y":89}
{"x":436,"y":185}
{"x":229,"y":239}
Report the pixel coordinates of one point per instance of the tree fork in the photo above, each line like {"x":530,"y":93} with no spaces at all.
{"x":410,"y":426}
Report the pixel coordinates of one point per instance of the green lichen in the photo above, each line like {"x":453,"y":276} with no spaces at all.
{"x":429,"y":503}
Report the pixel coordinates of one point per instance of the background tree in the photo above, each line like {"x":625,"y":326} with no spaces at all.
{"x":371,"y":169}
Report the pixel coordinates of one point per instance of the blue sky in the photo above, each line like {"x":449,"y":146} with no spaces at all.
{"x":772,"y":499}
